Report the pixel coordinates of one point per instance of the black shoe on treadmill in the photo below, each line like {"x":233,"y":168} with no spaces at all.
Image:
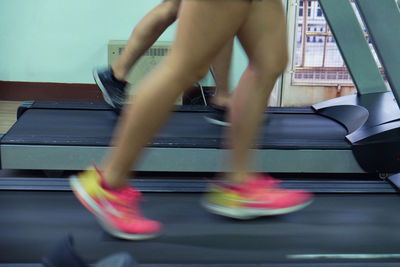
{"x":113,"y":90}
{"x":218,"y":116}
{"x":64,"y":255}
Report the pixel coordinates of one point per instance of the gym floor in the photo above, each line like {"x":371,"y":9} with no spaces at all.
{"x":8,"y":114}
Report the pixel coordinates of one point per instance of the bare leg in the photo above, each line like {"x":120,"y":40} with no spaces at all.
{"x":263,"y":36}
{"x":221,"y":66}
{"x":146,"y":32}
{"x":181,"y":69}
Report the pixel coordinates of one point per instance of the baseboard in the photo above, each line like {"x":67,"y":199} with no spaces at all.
{"x":39,"y":91}
{"x":69,"y":92}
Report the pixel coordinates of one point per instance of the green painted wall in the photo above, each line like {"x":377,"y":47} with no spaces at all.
{"x":61,"y":41}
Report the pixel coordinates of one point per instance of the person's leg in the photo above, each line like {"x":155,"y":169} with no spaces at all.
{"x":202,"y":31}
{"x":244,"y":195}
{"x":145,"y":33}
{"x":221,"y":67}
{"x":263,"y":37}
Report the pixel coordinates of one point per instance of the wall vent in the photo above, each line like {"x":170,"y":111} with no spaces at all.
{"x":153,"y":56}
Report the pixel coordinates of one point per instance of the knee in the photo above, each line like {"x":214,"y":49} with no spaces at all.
{"x":271,"y":65}
{"x":187,"y":71}
{"x":195,"y":73}
{"x":280,"y":63}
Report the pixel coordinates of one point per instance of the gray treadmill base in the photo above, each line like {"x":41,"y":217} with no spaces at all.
{"x":35,"y":157}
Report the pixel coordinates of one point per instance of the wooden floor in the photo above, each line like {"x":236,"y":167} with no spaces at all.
{"x":8,"y":114}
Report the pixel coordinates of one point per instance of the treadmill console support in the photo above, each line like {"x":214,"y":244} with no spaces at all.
{"x":373,"y":123}
{"x":380,"y":151}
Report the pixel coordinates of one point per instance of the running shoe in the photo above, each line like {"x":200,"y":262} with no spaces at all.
{"x":258,"y":196}
{"x":65,"y":255}
{"x":117,"y":210}
{"x":218,"y":116}
{"x":113,"y":90}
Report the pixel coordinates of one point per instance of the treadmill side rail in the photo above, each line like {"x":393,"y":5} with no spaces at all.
{"x":24,"y":107}
{"x":352,"y":117}
{"x":180,"y":159}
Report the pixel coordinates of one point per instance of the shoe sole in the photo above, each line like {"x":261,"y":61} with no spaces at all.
{"x":83,"y":196}
{"x":90,"y":204}
{"x":217,"y":122}
{"x":249,"y":213}
{"x":103,"y":90}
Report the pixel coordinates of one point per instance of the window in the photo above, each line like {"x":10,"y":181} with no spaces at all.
{"x":318,"y":61}
{"x":321,"y":62}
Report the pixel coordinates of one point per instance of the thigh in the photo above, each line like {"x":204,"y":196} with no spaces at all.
{"x":172,"y":4}
{"x":172,"y":1}
{"x":204,"y":27}
{"x":263,"y":34}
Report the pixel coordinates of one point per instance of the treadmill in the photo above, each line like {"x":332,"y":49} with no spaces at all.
{"x":350,"y":135}
{"x":342,"y":135}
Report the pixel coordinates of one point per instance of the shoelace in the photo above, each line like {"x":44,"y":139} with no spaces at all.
{"x":119,"y":97}
{"x":128,"y":199}
{"x":128,"y":202}
{"x":266,"y":182}
{"x":258,"y":183}
{"x":262,"y":185}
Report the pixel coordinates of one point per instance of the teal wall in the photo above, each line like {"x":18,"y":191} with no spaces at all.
{"x":62,"y":40}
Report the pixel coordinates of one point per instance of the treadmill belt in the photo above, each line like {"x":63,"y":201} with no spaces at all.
{"x":184,"y":129}
{"x":32,"y":223}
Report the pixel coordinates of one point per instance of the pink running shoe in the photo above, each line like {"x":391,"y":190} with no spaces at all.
{"x":116,"y":210}
{"x":254,"y":198}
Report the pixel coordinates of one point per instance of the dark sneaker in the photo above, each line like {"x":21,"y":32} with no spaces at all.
{"x":113,"y":90}
{"x":218,"y":116}
{"x":64,"y":255}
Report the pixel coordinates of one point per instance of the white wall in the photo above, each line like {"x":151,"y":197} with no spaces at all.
{"x":62,"y":40}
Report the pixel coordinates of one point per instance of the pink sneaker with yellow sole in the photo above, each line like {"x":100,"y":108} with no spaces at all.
{"x":117,"y":210}
{"x":258,"y":196}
